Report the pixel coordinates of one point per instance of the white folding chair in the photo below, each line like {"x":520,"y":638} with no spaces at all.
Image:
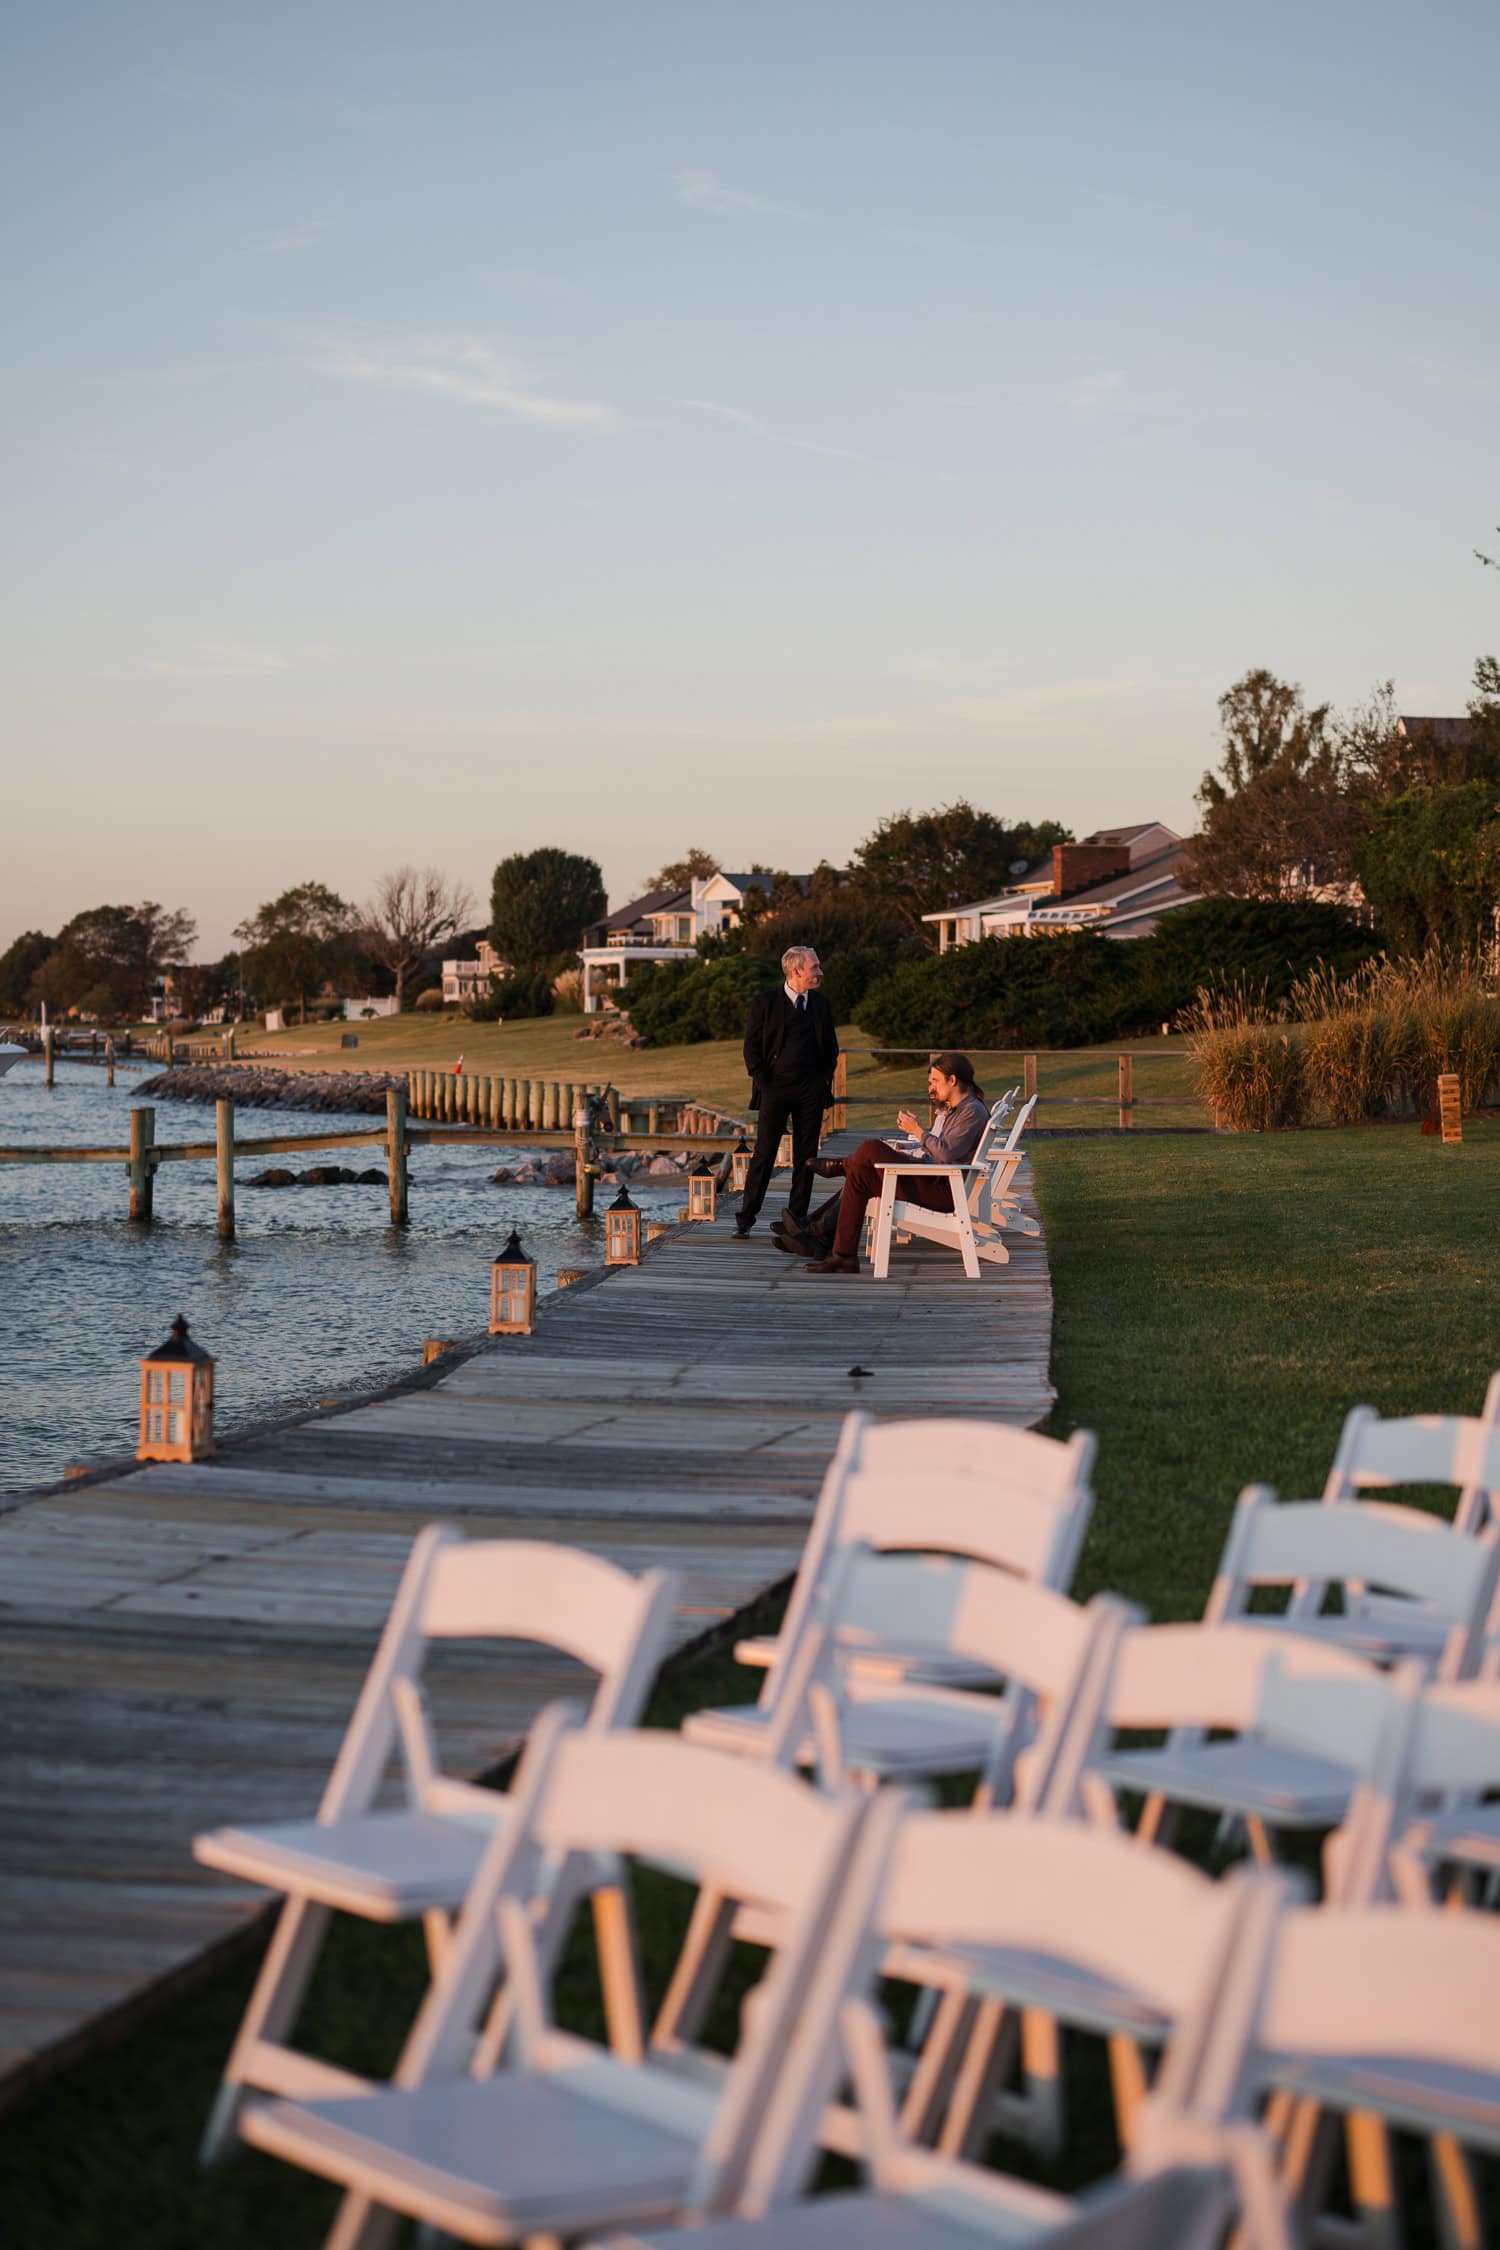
{"x":981,"y":1203}
{"x":1037,"y":1487}
{"x":398,"y":1863}
{"x":1075,"y":1919}
{"x":1436,"y":1585}
{"x":569,"y":2134}
{"x":1390,"y":2017}
{"x":1458,"y":1450}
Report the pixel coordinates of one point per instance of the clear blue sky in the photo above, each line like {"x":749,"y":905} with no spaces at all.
{"x":435,"y":431}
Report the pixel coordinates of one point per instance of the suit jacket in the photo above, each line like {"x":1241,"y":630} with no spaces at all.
{"x":766,"y":1032}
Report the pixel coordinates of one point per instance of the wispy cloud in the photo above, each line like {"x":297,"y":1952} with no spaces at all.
{"x":702,"y":191}
{"x":1098,"y":391}
{"x":221,"y":660}
{"x":305,"y":237}
{"x":466,"y":369}
{"x":760,"y":429}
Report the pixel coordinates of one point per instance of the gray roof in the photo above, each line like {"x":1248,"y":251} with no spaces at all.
{"x":1160,"y":869}
{"x":1447,"y":733}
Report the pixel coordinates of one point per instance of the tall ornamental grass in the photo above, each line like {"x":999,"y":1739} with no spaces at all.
{"x":1452,"y":1023}
{"x":1250,"y":1061}
{"x":1357,"y":1044}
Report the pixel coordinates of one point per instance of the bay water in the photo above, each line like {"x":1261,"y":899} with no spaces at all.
{"x":319,"y":1297}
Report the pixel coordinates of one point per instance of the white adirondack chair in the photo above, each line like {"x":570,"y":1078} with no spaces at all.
{"x":1079,"y":1921}
{"x":1387,"y":2015}
{"x":982,"y":1205}
{"x":1419,"y":1449}
{"x":1443,"y":1581}
{"x":401,"y":1862}
{"x":570,"y":2135}
{"x":1037,"y":1487}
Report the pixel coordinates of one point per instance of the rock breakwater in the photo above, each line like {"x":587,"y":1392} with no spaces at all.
{"x":362,"y":1091}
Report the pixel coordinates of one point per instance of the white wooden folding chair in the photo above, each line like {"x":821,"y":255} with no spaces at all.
{"x":1389,"y":2017}
{"x":1436,"y":1586}
{"x":569,"y":2134}
{"x":398,"y":1863}
{"x":1037,"y":1487}
{"x":981,"y":1203}
{"x":1461,"y":1451}
{"x":1084,"y":1923}
{"x":899,"y":1614}
{"x":1263,"y":1728}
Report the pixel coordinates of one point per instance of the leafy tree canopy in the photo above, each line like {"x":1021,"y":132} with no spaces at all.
{"x":678,"y":873}
{"x":1430,"y":865}
{"x":921,"y":861}
{"x":115,"y":950}
{"x":18,"y":965}
{"x":857,"y":935}
{"x":540,"y":905}
{"x":295,"y":942}
{"x":1283,"y":810}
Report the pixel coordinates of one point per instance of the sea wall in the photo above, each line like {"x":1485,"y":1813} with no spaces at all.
{"x":254,"y":1087}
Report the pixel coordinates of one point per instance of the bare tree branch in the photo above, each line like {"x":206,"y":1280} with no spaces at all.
{"x":408,"y":912}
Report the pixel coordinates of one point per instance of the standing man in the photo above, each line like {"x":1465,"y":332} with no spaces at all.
{"x":790,"y":1050}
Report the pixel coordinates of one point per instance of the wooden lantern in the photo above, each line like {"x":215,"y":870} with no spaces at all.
{"x":177,"y":1400}
{"x":512,"y":1291}
{"x":622,"y":1231}
{"x":703,"y":1190}
{"x":739,"y":1164}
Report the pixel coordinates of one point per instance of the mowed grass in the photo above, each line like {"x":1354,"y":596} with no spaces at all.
{"x":1219,"y":1305}
{"x":549,"y":1047}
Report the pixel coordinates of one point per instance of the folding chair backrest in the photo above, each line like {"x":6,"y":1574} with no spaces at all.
{"x":1368,"y":1543}
{"x":455,"y":1588}
{"x":1454,"y":1742}
{"x":1454,"y":1449}
{"x":942,"y":1607}
{"x":1298,"y":1694}
{"x":1368,"y":1989}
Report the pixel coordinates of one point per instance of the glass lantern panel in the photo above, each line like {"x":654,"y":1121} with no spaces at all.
{"x":156,"y":1389}
{"x":153,"y":1425}
{"x":177,"y":1380}
{"x":174,"y":1426}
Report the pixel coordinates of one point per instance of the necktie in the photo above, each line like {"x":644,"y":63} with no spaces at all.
{"x":801,"y":1002}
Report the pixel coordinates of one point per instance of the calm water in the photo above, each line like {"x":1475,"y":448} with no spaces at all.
{"x":319,"y":1296}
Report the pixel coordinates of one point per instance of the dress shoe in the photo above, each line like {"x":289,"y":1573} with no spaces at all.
{"x":790,"y":1234}
{"x":742,"y":1230}
{"x":826,"y":1167}
{"x":833,"y":1264}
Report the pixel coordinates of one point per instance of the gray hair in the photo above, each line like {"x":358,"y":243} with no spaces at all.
{"x":795,"y":954}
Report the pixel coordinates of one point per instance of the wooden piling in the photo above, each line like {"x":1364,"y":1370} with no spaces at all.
{"x":109,"y":1062}
{"x":583,"y":1174}
{"x":48,"y":1056}
{"x":395,"y":1122}
{"x":653,"y":1117}
{"x":142,"y":1172}
{"x":1028,"y":1077}
{"x":1127,"y":1091}
{"x":224,"y":1135}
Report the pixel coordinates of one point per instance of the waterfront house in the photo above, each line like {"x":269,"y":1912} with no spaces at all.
{"x":662,"y":926}
{"x":470,"y":980}
{"x":1119,"y":881}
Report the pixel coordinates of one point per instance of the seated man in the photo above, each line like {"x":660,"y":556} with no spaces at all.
{"x":962,"y":1115}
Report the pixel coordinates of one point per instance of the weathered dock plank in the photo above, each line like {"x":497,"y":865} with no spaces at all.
{"x":182,"y":1645}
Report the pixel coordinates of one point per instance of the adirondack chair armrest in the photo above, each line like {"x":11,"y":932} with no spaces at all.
{"x":928,"y":1171}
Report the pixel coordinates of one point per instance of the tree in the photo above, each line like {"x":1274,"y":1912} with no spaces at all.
{"x":921,"y":861}
{"x":294,"y":942}
{"x":679,"y":873}
{"x":540,"y":905}
{"x":121,"y":950}
{"x":408,"y":912}
{"x":1430,"y":865}
{"x":18,"y":965}
{"x":1282,"y":816}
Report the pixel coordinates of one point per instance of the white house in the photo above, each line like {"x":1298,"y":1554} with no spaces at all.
{"x":470,"y":980}
{"x":662,"y":926}
{"x":1119,"y":881}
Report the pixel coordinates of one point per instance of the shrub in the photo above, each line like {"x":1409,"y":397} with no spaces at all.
{"x":1250,"y":1061}
{"x":1062,"y":991}
{"x":675,"y":1003}
{"x":525,"y":992}
{"x":1264,"y":945}
{"x":567,"y":992}
{"x":858,"y":939}
{"x":430,"y":1002}
{"x":1355,"y":1053}
{"x":1452,"y":1023}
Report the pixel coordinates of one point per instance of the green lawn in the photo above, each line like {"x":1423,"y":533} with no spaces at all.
{"x":1220,"y":1302}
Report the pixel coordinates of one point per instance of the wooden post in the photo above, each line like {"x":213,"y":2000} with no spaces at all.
{"x":583,"y":1175}
{"x":611,"y":1096}
{"x":1028,"y":1077}
{"x":224,"y":1137}
{"x":653,"y":1118}
{"x":109,"y":1062}
{"x":838,"y":1116}
{"x":142,"y":1172}
{"x":229,"y":1032}
{"x":1127,"y":1091}
{"x":48,"y":1059}
{"x":510,"y":1105}
{"x":1450,"y":1106}
{"x":395,"y":1125}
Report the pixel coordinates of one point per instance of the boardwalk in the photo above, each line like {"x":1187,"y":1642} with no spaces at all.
{"x":181,"y":1646}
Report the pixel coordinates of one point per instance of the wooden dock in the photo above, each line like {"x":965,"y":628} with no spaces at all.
{"x":180,"y":1646}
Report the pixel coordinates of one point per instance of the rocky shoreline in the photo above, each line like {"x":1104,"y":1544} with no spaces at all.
{"x":360,"y":1091}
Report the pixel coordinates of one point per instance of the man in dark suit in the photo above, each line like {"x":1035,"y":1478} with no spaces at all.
{"x":790,"y":1050}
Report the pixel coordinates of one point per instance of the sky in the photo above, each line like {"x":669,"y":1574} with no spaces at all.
{"x":434,"y":432}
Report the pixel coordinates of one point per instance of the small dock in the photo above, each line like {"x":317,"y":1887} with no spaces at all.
{"x":181,"y":1645}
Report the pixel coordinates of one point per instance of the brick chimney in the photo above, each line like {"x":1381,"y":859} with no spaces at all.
{"x":1076,"y":866}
